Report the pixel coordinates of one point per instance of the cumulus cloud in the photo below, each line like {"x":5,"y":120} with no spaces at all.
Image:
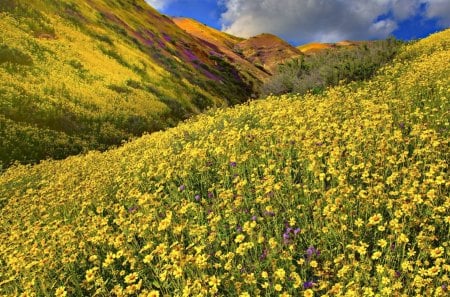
{"x":439,"y":9}
{"x":303,"y":21}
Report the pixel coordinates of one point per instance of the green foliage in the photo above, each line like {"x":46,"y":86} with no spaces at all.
{"x":30,"y":144}
{"x":119,"y":89}
{"x":13,"y":55}
{"x":316,"y":72}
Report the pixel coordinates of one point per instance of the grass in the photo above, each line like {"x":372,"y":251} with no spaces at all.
{"x":345,"y":193}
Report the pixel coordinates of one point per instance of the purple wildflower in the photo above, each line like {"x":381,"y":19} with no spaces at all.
{"x":167,"y":37}
{"x":132,"y":209}
{"x":444,"y":288}
{"x":197,"y":197}
{"x":190,"y":55}
{"x":210,"y":194}
{"x":308,"y":285}
{"x":263,"y":255}
{"x":296,"y":231}
{"x":233,"y":164}
{"x":182,"y":188}
{"x":312,"y":251}
{"x":254,"y":218}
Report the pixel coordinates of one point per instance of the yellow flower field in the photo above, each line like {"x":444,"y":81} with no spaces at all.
{"x":340,"y":194}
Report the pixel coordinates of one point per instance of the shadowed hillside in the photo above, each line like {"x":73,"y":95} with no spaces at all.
{"x":80,"y":75}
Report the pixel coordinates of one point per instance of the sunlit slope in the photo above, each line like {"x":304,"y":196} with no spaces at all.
{"x":78,"y":75}
{"x":347,"y":192}
{"x":317,"y":47}
{"x":314,"y":47}
{"x":228,"y":45}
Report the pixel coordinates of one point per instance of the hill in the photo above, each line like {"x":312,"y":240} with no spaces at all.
{"x":228,"y":45}
{"x":342,"y":193}
{"x":266,"y":51}
{"x":81,"y":75}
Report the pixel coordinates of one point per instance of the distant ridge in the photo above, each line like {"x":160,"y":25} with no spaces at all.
{"x":317,"y":47}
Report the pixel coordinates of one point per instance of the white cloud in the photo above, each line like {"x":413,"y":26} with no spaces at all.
{"x":439,"y":9}
{"x":158,"y":4}
{"x":303,"y":21}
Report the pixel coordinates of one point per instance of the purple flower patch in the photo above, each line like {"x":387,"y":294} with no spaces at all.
{"x":263,"y":255}
{"x":132,"y":209}
{"x":289,"y":233}
{"x":312,"y":251}
{"x":308,"y":285}
{"x":167,"y":37}
{"x":190,"y":55}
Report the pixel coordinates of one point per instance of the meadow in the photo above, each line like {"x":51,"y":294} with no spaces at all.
{"x":343,"y":193}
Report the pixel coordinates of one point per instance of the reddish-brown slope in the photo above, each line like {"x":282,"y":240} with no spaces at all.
{"x":267,"y":51}
{"x":227,"y":46}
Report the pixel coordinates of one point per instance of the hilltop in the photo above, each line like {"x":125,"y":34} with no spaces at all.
{"x":228,"y":45}
{"x":267,"y":51}
{"x":345,"y":192}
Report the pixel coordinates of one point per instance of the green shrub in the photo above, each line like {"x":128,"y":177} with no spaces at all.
{"x":329,"y":68}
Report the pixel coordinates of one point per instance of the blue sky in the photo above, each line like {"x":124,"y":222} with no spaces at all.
{"x":303,"y":21}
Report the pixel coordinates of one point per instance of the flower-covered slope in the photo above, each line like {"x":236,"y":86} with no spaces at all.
{"x":344,"y":193}
{"x":81,"y":75}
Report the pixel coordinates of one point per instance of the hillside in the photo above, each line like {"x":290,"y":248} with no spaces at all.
{"x":266,"y":51}
{"x":81,"y":75}
{"x":342,"y":193}
{"x":228,"y":45}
